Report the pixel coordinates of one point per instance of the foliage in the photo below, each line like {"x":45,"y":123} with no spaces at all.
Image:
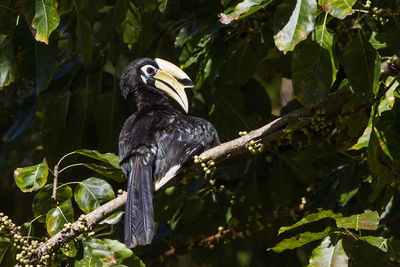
{"x":324,"y":195}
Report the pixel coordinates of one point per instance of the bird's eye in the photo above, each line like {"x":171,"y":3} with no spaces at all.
{"x":148,"y":70}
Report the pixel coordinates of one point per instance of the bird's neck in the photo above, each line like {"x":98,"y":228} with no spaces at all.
{"x":150,"y":99}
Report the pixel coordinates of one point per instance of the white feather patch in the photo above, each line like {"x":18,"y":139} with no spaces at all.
{"x":168,"y":176}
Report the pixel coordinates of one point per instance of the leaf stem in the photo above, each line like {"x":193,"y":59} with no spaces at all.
{"x":72,"y":165}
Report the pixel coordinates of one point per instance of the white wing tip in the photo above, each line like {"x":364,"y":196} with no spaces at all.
{"x":167,"y":177}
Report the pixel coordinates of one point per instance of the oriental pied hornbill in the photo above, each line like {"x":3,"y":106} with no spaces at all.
{"x":157,"y":140}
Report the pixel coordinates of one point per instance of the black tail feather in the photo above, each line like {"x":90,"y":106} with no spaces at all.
{"x":139,"y":218}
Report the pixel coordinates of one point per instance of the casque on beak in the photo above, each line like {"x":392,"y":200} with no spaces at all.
{"x":173,"y":81}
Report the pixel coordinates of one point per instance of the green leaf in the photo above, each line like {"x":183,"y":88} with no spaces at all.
{"x":46,"y":63}
{"x":363,"y":141}
{"x":359,"y":60}
{"x":31,"y":178}
{"x":120,"y":250}
{"x":300,"y":240}
{"x":113,"y":219}
{"x":390,"y":32}
{"x":97,"y":248}
{"x":377,"y":241}
{"x":383,"y":148}
{"x":312,"y":73}
{"x":362,"y":253}
{"x":109,"y":158}
{"x":123,"y":254}
{"x":198,"y":51}
{"x":243,"y":9}
{"x":42,"y":202}
{"x":131,"y":24}
{"x":313,"y":217}
{"x":326,"y":38}
{"x":6,"y":67}
{"x":72,"y":250}
{"x":46,"y":19}
{"x":363,"y":221}
{"x":112,"y":173}
{"x":328,"y":254}
{"x":85,"y":38}
{"x":89,"y":262}
{"x":91,"y":193}
{"x":58,"y":216}
{"x":352,"y":126}
{"x":241,"y":64}
{"x":162,"y":5}
{"x":376,"y":43}
{"x":300,"y":24}
{"x":4,"y":245}
{"x":337,"y":8}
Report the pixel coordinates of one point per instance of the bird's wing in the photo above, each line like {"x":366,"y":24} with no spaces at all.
{"x":178,"y":143}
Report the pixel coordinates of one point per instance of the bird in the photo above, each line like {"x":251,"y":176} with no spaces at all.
{"x":157,"y":140}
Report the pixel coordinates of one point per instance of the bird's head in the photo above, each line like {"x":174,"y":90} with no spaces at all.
{"x":156,"y":74}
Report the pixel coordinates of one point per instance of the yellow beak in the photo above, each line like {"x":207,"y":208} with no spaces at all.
{"x":173,"y":81}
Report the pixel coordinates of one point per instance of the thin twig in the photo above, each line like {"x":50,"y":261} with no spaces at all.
{"x":55,"y":182}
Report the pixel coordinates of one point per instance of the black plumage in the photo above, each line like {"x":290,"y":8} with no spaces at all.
{"x":157,"y":140}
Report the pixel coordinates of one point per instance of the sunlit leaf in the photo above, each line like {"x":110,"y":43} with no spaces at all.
{"x":42,"y":201}
{"x":131,"y":24}
{"x":328,"y":254}
{"x":97,"y":248}
{"x":363,"y":141}
{"x":6,"y":67}
{"x":89,"y":262}
{"x":58,"y":216}
{"x":337,"y":8}
{"x":363,"y":221}
{"x":198,"y":51}
{"x":46,"y":19}
{"x":113,"y":219}
{"x":31,"y":178}
{"x":300,"y":24}
{"x":242,"y":10}
{"x":91,"y":193}
{"x":123,"y":254}
{"x":162,"y":5}
{"x":300,"y":240}
{"x":71,"y":251}
{"x":376,"y":43}
{"x":110,"y":158}
{"x":313,"y":217}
